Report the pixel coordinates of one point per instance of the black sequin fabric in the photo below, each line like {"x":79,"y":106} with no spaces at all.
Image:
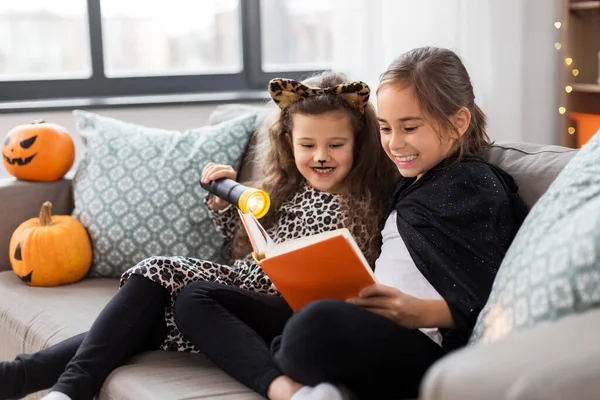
{"x":458,"y":221}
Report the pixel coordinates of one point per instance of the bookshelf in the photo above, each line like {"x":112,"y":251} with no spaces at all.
{"x":578,"y":46}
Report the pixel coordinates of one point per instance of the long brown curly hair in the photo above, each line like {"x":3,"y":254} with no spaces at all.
{"x":368,"y":184}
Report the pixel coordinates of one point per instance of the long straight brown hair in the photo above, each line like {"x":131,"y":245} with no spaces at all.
{"x":442,"y":86}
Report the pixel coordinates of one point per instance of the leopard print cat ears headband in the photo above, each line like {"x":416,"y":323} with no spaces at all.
{"x":285,"y":92}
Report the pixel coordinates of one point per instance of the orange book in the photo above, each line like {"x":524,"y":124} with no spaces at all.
{"x":329,"y":265}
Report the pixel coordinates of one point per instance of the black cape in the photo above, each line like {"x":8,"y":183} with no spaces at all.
{"x":457,"y":222}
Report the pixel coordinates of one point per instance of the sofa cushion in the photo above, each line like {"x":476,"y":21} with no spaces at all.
{"x":254,"y":159}
{"x":137,"y":189}
{"x":552,"y":268}
{"x":557,"y":361}
{"x":533,"y":166}
{"x":33,"y":318}
{"x":168,"y":375}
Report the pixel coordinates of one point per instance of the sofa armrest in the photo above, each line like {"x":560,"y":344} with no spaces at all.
{"x":22,"y":200}
{"x":552,"y":361}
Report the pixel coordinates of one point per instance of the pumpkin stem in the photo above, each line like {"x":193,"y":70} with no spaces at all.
{"x":38,"y":121}
{"x":46,"y":214}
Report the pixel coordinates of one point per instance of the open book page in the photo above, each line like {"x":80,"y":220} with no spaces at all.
{"x":295,"y":244}
{"x":265,"y":248}
{"x":259,"y":238}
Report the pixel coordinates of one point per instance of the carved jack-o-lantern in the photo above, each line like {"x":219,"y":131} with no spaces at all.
{"x":50,"y":250}
{"x":38,"y":152}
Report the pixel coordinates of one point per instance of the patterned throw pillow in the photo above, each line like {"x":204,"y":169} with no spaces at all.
{"x":137,"y":189}
{"x":552,"y":268}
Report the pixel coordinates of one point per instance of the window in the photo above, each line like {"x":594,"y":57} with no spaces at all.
{"x":44,"y":40}
{"x":175,"y":37}
{"x":296,"y":34}
{"x":99,"y":49}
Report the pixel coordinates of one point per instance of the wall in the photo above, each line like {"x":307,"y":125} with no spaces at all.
{"x":541,"y":85}
{"x":507,"y":47}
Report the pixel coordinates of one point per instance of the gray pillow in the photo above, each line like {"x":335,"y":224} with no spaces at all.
{"x":137,"y":189}
{"x":552,"y":268}
{"x":266,"y":114}
{"x":533,"y":166}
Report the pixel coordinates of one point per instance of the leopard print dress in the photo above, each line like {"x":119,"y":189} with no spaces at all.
{"x":309,"y":212}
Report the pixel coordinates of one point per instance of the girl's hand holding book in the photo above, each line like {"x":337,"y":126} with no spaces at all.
{"x":390,"y":303}
{"x":212,"y":172}
{"x":408,"y":311}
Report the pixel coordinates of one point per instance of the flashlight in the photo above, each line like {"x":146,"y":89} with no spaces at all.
{"x":249,"y":200}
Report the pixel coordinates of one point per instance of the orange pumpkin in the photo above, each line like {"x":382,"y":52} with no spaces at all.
{"x":38,"y":152}
{"x":50,"y":250}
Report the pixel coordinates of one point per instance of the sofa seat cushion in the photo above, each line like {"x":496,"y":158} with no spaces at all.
{"x":34,"y":318}
{"x":168,"y":375}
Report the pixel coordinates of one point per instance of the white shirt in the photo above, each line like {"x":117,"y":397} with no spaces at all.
{"x":396,"y":268}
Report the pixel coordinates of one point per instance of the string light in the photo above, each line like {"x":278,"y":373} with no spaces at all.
{"x":568,"y":88}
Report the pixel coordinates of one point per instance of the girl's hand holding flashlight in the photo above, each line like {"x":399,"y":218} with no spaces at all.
{"x":212,"y":172}
{"x":220,"y":181}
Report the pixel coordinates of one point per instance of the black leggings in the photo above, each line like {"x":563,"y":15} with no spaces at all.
{"x":256,"y":337}
{"x":233,"y":327}
{"x":132,"y":322}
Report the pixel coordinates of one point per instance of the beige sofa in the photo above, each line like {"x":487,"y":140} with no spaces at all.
{"x":35,"y":318}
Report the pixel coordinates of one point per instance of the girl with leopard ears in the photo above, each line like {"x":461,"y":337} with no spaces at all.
{"x":323,"y":138}
{"x":371,"y":176}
